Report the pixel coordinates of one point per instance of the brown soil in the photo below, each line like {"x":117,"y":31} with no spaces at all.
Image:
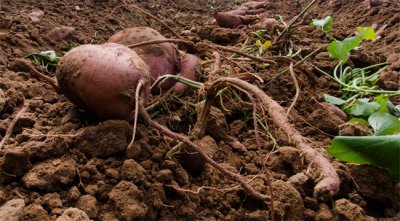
{"x":86,"y":166}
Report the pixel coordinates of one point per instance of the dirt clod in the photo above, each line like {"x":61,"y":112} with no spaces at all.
{"x":126,"y":198}
{"x":73,"y":194}
{"x":12,"y":210}
{"x":73,"y":214}
{"x":133,"y":171}
{"x":14,"y":163}
{"x":107,"y":138}
{"x":324,"y":213}
{"x":288,"y":203}
{"x":51,"y":201}
{"x":348,"y":211}
{"x":376,"y":185}
{"x":354,"y":129}
{"x":49,"y":174}
{"x":325,"y":121}
{"x":35,"y":212}
{"x":88,"y":204}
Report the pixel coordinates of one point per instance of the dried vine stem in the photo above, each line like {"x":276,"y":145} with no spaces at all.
{"x":329,"y":182}
{"x":171,"y":40}
{"x":146,"y":117}
{"x":10,"y":127}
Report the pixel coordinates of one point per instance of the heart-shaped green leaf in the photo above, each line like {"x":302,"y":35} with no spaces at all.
{"x":384,"y":123}
{"x":382,"y":101}
{"x":363,"y":108}
{"x":340,"y":49}
{"x":382,"y":151}
{"x":367,"y":33}
{"x":334,"y":100}
{"x":324,"y":23}
{"x":394,"y":110}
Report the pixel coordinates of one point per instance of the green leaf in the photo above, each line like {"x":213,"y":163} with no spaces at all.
{"x":382,"y":151}
{"x":324,"y":23}
{"x":359,"y":120}
{"x":334,"y":100}
{"x":340,"y":49}
{"x":363,"y":108}
{"x":384,"y":123}
{"x":367,"y":33}
{"x":394,"y":110}
{"x":382,"y":101}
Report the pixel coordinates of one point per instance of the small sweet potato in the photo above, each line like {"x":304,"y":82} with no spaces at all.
{"x":61,"y":33}
{"x":162,"y":58}
{"x":190,"y":68}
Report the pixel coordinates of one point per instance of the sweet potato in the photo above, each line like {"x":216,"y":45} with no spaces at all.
{"x":162,"y":58}
{"x":250,"y":13}
{"x":102,"y":79}
{"x":190,"y":65}
{"x":61,"y":33}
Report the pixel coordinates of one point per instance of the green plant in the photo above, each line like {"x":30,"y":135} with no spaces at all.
{"x":356,"y":84}
{"x":47,"y":59}
{"x":325,"y":24}
{"x":261,"y":45}
{"x":381,"y":151}
{"x":380,"y":114}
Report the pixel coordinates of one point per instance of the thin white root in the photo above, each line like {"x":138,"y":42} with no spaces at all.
{"x":137,"y":95}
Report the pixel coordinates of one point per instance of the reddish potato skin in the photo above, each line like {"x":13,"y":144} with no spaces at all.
{"x":61,"y":33}
{"x":102,"y":79}
{"x":190,"y":68}
{"x":228,"y":20}
{"x":161,"y":58}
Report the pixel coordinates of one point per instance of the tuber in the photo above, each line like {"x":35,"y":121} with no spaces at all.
{"x":250,"y":13}
{"x":102,"y":79}
{"x":61,"y":33}
{"x":162,"y":58}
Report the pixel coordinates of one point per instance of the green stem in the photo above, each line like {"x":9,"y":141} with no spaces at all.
{"x":295,"y":65}
{"x":295,"y":19}
{"x":178,"y":78}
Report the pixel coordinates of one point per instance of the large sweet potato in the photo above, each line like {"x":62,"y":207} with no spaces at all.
{"x":102,"y":79}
